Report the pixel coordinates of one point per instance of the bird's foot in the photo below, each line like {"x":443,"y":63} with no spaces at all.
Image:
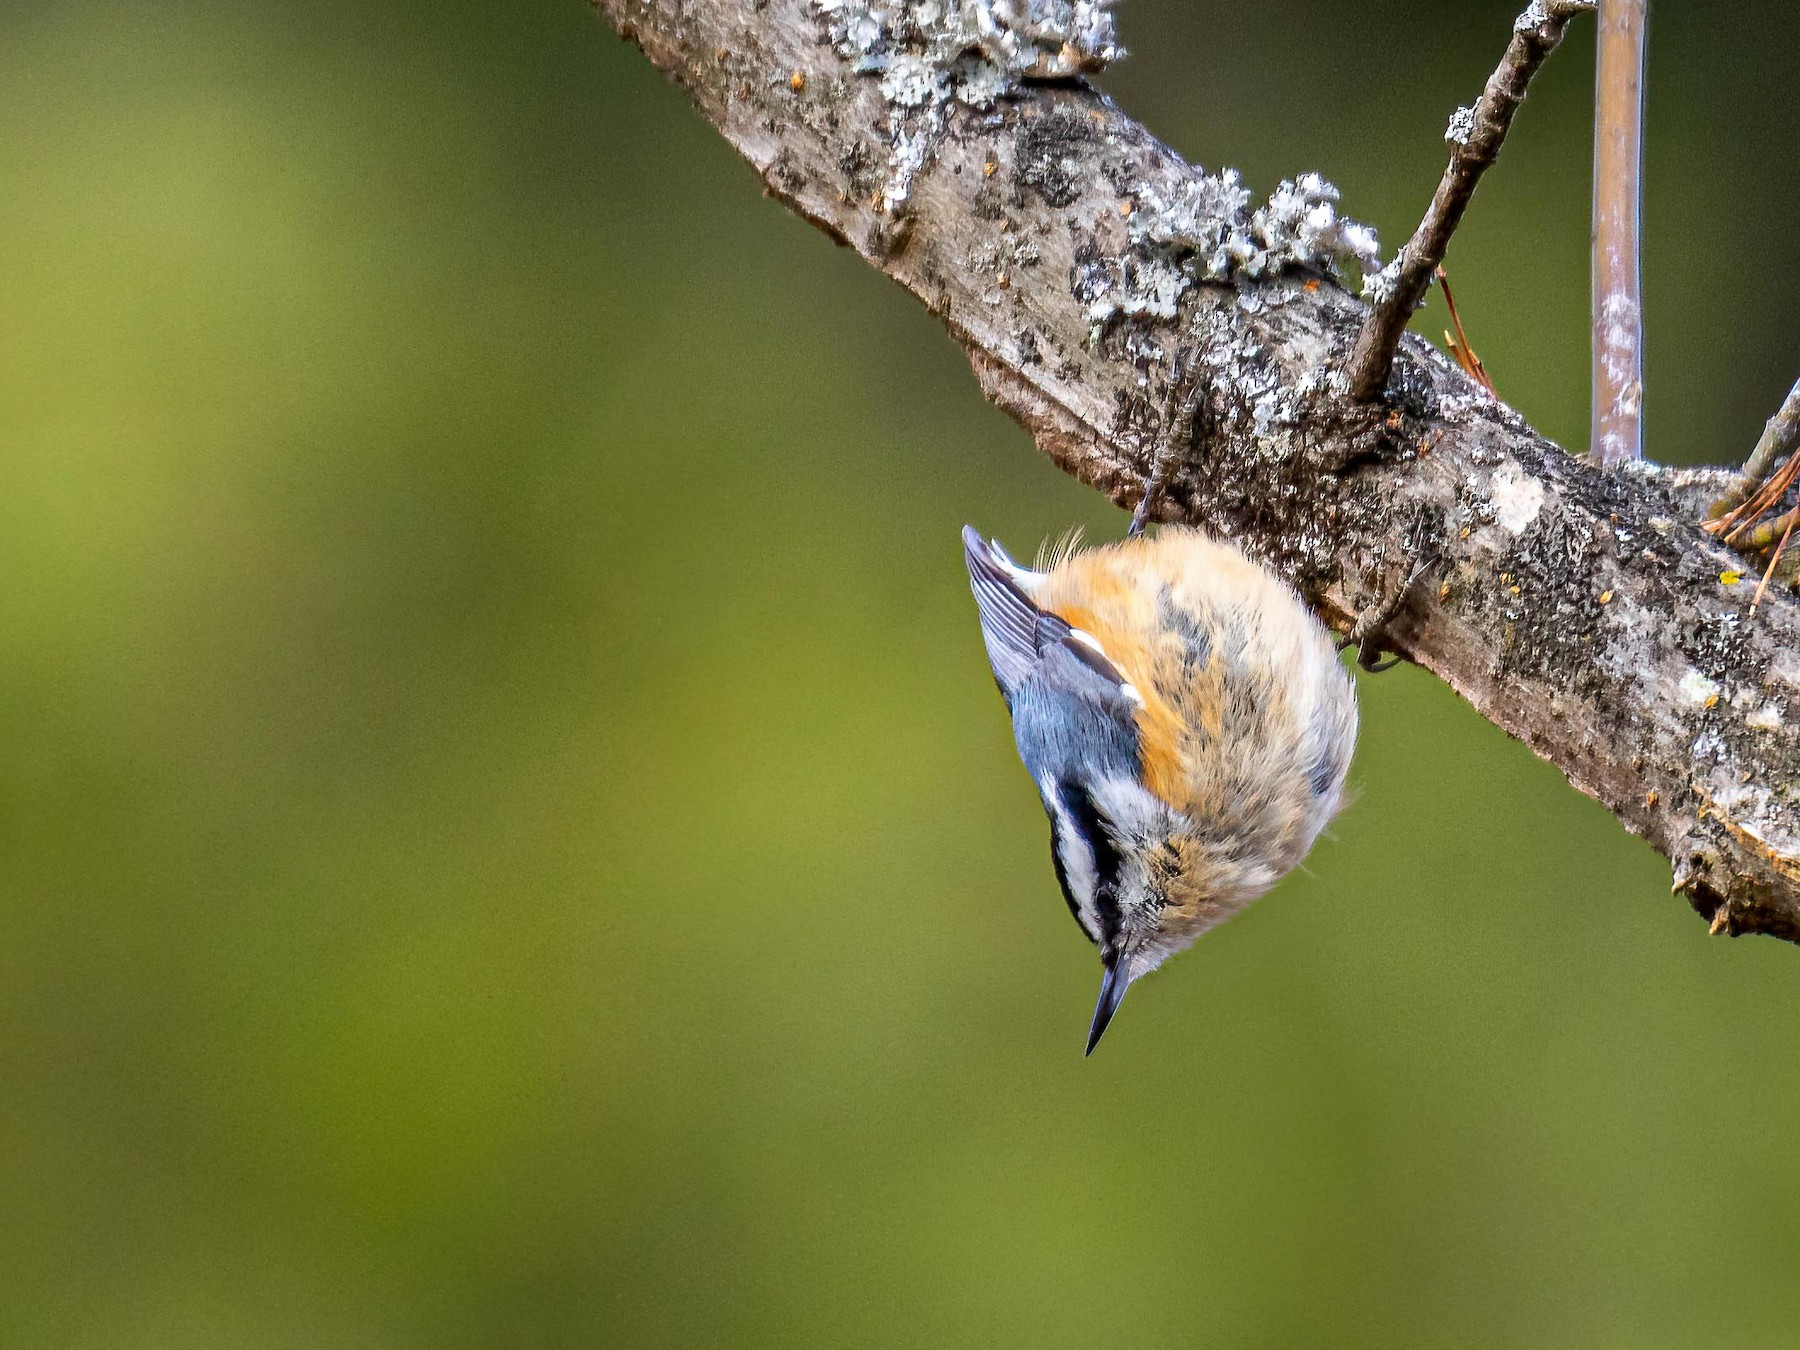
{"x":1174,"y":444}
{"x":1369,"y":634}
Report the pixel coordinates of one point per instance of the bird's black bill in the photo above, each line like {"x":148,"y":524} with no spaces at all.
{"x":1113,"y":985}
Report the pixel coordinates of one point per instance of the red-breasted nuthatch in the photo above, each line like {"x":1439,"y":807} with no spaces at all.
{"x":1186,"y":721}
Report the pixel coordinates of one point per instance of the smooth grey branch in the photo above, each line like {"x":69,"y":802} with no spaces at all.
{"x":1618,"y":401}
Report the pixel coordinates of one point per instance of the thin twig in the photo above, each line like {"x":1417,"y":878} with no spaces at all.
{"x":1765,"y":499}
{"x":1740,"y":525}
{"x":1475,"y":135}
{"x":1734,"y":523}
{"x":1774,"y":558}
{"x":1779,"y":435}
{"x":1766,"y":533}
{"x":1770,"y":493}
{"x":1459,"y":344}
{"x":1618,"y":421}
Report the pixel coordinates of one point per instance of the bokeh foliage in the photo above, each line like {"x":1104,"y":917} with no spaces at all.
{"x":506,"y":835}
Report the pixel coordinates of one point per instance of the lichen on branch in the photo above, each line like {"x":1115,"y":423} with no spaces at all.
{"x":1583,"y":612}
{"x":973,"y":51}
{"x":932,"y":56}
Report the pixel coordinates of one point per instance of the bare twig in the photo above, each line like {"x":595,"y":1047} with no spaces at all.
{"x":1577,"y":610}
{"x":1780,"y":434}
{"x":1618,"y":422}
{"x":1774,"y":558}
{"x":1761,"y":488}
{"x":1760,"y":537}
{"x":1738,"y":522}
{"x":1475,"y":135}
{"x":1459,"y":344}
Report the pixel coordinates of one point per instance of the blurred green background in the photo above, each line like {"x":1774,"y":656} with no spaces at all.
{"x":506,"y":834}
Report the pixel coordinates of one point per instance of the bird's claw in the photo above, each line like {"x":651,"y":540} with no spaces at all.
{"x":1368,"y":635}
{"x":1176,"y":442}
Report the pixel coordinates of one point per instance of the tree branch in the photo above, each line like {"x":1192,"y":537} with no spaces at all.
{"x":1583,"y":612}
{"x":1475,"y":136}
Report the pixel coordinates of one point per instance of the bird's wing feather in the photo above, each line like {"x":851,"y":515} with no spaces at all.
{"x":1017,"y":633}
{"x":1009,"y":621}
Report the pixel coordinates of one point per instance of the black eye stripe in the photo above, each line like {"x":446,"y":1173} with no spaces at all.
{"x":1108,"y":863}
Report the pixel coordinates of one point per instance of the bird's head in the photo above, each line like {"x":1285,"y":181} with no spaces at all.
{"x":1141,"y":880}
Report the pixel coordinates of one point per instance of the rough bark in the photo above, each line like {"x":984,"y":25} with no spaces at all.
{"x":1582,"y":611}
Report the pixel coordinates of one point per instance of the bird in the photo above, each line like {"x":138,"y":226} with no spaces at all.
{"x":1186,"y":721}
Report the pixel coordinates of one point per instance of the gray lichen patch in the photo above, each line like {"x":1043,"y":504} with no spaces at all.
{"x":933,"y":56}
{"x":1000,"y":259}
{"x":1205,"y":230}
{"x":1209,"y":227}
{"x":1533,"y":16}
{"x":973,"y":51}
{"x":1135,"y":286}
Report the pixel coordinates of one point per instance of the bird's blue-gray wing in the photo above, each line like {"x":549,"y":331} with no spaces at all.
{"x":1010,"y":623}
{"x":1074,"y":720}
{"x":1020,"y":636}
